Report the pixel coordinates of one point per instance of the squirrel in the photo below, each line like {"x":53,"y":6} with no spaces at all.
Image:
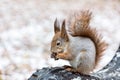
{"x":81,"y":44}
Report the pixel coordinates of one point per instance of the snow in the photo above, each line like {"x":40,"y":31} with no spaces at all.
{"x":78,"y":78}
{"x":26,"y":30}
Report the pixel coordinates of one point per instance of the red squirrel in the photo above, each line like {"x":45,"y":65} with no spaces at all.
{"x":81,"y":44}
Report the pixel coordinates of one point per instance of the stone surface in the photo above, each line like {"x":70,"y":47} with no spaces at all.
{"x":57,"y":73}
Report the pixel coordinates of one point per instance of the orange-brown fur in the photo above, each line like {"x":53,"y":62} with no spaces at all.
{"x":63,"y":56}
{"x":79,"y":26}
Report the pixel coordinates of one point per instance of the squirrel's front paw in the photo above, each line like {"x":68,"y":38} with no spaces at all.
{"x":54,"y":55}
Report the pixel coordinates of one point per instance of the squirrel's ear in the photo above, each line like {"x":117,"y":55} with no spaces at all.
{"x":56,"y":26}
{"x":64,"y":32}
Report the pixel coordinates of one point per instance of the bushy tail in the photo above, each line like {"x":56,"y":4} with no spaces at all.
{"x":79,"y":26}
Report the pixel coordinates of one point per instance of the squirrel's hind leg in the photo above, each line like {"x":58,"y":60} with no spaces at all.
{"x":70,"y":69}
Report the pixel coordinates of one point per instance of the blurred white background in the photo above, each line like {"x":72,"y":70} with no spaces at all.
{"x":26,"y":30}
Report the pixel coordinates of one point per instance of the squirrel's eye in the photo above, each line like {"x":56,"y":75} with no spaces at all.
{"x":58,"y":43}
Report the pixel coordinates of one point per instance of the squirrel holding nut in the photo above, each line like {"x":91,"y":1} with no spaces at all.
{"x":79,"y":43}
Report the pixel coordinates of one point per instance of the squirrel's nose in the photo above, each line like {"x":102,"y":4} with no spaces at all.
{"x":53,"y":51}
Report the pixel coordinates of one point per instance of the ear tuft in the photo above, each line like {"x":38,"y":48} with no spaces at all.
{"x":56,"y":26}
{"x":64,"y":32}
